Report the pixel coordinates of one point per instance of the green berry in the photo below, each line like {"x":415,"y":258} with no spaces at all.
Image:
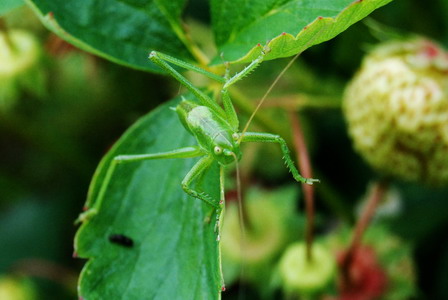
{"x":267,"y":232}
{"x":397,"y":110}
{"x":19,"y":50}
{"x":14,"y":288}
{"x":301,"y":276}
{"x":271,"y":222}
{"x":19,"y":57}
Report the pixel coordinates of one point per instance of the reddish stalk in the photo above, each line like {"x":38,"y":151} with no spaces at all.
{"x":376,"y":194}
{"x":308,"y":190}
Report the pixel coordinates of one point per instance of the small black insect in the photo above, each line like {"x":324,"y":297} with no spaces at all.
{"x":122,"y":240}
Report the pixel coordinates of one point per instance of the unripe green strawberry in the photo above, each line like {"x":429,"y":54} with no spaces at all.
{"x":303,"y":277}
{"x":19,"y":50}
{"x":19,"y":58}
{"x":397,"y":110}
{"x":271,"y":223}
{"x":15,"y":288}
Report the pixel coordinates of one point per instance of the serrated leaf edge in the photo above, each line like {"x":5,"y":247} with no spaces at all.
{"x":256,"y":50}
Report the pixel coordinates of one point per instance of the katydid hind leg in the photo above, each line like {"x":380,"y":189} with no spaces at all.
{"x":156,"y":58}
{"x":198,"y":169}
{"x":187,"y":66}
{"x":209,"y":215}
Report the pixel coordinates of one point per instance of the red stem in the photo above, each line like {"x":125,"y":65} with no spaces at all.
{"x":376,"y":194}
{"x":308,"y":190}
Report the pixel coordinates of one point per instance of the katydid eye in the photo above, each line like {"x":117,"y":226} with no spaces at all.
{"x":218,"y":150}
{"x":235,"y":136}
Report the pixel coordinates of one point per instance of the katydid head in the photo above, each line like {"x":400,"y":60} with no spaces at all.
{"x":227,"y":153}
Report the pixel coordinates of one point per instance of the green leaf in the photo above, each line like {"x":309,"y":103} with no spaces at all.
{"x":287,"y":27}
{"x":123,"y":31}
{"x":175,"y":254}
{"x":8,"y":5}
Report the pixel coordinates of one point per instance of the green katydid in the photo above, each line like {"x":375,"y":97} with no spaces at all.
{"x":215,"y":129}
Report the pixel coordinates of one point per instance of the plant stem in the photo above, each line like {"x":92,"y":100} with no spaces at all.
{"x":188,"y":42}
{"x":308,"y":190}
{"x":197,"y":53}
{"x":302,"y":100}
{"x":376,"y":194}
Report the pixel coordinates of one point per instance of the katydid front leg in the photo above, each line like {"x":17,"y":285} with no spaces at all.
{"x":274,"y":138}
{"x":226,"y":101}
{"x":197,"y":170}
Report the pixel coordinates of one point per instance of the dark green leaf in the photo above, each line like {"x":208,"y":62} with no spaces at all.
{"x":287,"y":27}
{"x":124,"y":31}
{"x":414,"y":224}
{"x":175,"y":252}
{"x":7,"y":5}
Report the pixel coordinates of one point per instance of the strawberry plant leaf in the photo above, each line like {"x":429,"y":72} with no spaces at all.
{"x":287,"y":27}
{"x":8,"y":5}
{"x":121,"y":31}
{"x":146,"y":238}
